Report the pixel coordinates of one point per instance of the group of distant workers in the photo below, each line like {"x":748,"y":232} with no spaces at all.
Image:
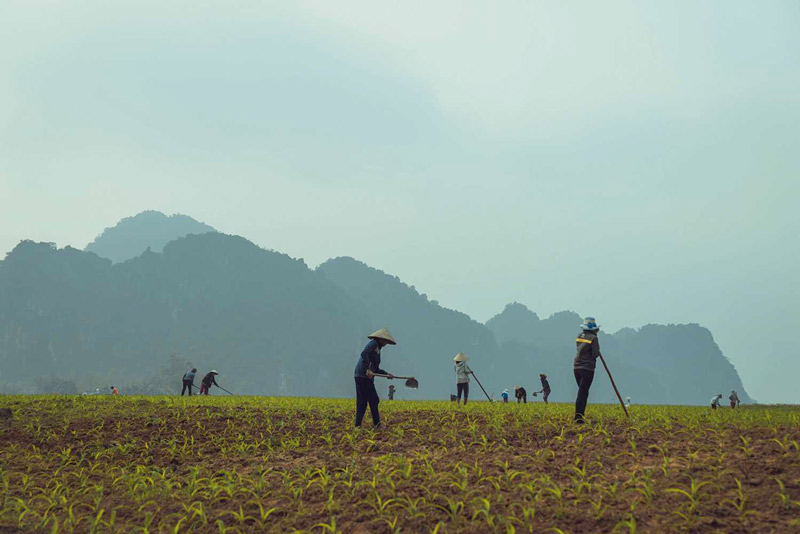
{"x":733,"y":398}
{"x":205,"y":384}
{"x":367,"y":367}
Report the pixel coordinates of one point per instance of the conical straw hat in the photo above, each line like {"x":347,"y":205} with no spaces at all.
{"x":517,"y":387}
{"x":460,"y":357}
{"x":384,"y":334}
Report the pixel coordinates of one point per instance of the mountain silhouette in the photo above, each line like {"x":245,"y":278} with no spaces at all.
{"x":72,"y":320}
{"x":148,"y":230}
{"x":656,"y":364}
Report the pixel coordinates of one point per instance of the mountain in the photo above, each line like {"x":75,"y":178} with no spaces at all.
{"x":72,"y":320}
{"x":148,"y":230}
{"x":266,"y":321}
{"x":656,"y":364}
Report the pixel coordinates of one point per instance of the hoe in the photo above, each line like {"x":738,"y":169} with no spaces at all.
{"x":411,"y":382}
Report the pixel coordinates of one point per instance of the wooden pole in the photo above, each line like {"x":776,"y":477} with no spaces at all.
{"x":615,"y":387}
{"x":481,"y":385}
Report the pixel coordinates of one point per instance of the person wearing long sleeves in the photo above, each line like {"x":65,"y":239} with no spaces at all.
{"x":715,"y":401}
{"x":462,"y":376}
{"x":521,"y":394}
{"x":734,"y":398}
{"x":188,"y":381}
{"x":545,"y":387}
{"x":208,"y":381}
{"x":588,"y":350}
{"x":367,"y":367}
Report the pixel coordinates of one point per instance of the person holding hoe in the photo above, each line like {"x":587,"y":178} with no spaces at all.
{"x":588,"y":350}
{"x":368,"y":365}
{"x":462,"y":376}
{"x":188,"y":381}
{"x":545,"y":387}
{"x":521,"y":394}
{"x":208,"y":381}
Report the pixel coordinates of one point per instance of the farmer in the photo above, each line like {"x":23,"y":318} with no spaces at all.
{"x":734,"y":398}
{"x":368,"y":365}
{"x":521,"y":394}
{"x":504,"y":394}
{"x":715,"y":401}
{"x":462,"y":376}
{"x":391,"y":392}
{"x":628,"y":402}
{"x":188,"y":381}
{"x":114,"y":391}
{"x":208,"y":381}
{"x":588,"y":350}
{"x":545,"y":387}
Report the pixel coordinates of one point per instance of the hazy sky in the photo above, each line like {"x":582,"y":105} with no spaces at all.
{"x":637,"y":161}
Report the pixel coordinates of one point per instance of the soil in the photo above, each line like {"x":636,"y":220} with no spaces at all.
{"x":206,"y":465}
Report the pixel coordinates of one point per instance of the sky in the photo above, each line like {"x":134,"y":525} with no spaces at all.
{"x":636,"y":161}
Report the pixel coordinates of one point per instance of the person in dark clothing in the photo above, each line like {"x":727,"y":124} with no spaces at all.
{"x":588,"y":350}
{"x":208,"y":381}
{"x":521,"y":394}
{"x":391,"y":392}
{"x":367,"y":367}
{"x":188,"y":381}
{"x":545,"y":387}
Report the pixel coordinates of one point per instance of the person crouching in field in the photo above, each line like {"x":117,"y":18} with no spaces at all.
{"x":208,"y":381}
{"x":369,"y":364}
{"x":715,"y":401}
{"x":504,"y":394}
{"x":521,"y":394}
{"x":588,"y":350}
{"x":462,"y":376}
{"x":734,"y":398}
{"x":188,"y":381}
{"x":545,"y":387}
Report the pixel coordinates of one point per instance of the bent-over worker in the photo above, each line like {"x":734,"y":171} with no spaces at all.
{"x":188,"y":381}
{"x":521,"y":394}
{"x":367,"y":366}
{"x":715,"y":401}
{"x":208,"y":381}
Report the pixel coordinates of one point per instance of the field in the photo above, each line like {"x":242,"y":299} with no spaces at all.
{"x":159,"y":464}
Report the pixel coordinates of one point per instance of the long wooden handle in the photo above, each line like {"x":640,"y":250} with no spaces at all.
{"x":398,"y":377}
{"x":481,"y":385}
{"x":615,"y":387}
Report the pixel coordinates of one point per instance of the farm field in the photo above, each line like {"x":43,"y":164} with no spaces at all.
{"x":247,"y":464}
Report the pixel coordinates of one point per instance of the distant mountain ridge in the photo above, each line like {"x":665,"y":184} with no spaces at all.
{"x":273,"y":326}
{"x":147,"y":230}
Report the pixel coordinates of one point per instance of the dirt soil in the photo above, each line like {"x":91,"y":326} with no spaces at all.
{"x":100,"y":464}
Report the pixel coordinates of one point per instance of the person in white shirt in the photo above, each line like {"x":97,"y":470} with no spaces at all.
{"x":462,"y":376}
{"x":715,"y":402}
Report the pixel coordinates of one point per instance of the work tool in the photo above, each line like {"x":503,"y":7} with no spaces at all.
{"x":481,"y":385}
{"x":411,"y":382}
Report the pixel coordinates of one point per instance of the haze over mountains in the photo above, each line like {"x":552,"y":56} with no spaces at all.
{"x":155,"y":286}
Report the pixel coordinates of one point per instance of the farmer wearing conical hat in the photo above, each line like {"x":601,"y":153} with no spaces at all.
{"x":504,"y":394}
{"x":588,"y":350}
{"x":462,"y":376}
{"x":208,"y":381}
{"x":521,"y":394}
{"x":369,"y":364}
{"x":545,"y":387}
